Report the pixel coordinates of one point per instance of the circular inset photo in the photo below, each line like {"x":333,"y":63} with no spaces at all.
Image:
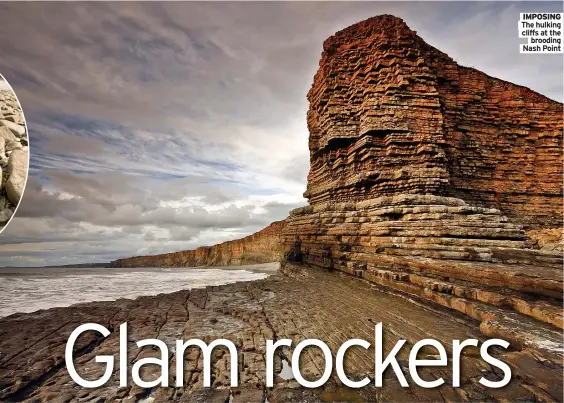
{"x":14,"y":153}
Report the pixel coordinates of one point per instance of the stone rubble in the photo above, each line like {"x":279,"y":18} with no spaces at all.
{"x":14,"y":154}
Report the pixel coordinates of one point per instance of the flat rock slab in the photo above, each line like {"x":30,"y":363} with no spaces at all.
{"x":305,"y":304}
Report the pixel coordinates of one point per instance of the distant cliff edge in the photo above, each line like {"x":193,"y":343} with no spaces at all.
{"x":263,"y":246}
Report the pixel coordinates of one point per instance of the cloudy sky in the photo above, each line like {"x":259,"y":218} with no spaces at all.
{"x":163,"y":127}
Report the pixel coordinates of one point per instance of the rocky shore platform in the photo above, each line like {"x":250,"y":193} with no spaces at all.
{"x":296,"y":303}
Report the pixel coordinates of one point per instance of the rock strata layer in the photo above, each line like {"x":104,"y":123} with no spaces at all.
{"x":435,"y":183}
{"x":424,"y":178}
{"x":14,"y":154}
{"x":302,"y":304}
{"x":264,"y":246}
{"x":390,"y":114}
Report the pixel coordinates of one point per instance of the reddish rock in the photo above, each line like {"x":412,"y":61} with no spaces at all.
{"x":391,"y":114}
{"x":424,"y":176}
{"x":261,"y":247}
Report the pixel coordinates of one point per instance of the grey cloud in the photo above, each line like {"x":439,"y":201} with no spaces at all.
{"x":157,"y":127}
{"x":128,"y":207}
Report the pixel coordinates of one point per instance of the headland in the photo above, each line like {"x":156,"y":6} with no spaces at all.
{"x":435,"y":207}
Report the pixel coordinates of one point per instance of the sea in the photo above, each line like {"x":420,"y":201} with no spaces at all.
{"x":31,"y":289}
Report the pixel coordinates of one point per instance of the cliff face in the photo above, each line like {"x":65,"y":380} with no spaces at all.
{"x":424,"y":176}
{"x":390,"y":114}
{"x":261,"y":247}
{"x":414,"y":155}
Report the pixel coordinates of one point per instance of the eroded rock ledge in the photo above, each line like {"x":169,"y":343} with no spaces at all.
{"x":434,"y":182}
{"x":425,"y":175}
{"x":264,"y":246}
{"x":302,"y":304}
{"x":390,"y":114}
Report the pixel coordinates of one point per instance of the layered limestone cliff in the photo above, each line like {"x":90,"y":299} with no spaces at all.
{"x":261,"y":247}
{"x":425,"y":175}
{"x":390,"y":114}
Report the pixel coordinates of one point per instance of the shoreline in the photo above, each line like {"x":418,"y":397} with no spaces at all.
{"x":295,"y":303}
{"x":18,"y":270}
{"x":55,"y":300}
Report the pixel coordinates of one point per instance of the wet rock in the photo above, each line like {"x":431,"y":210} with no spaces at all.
{"x":328,"y":306}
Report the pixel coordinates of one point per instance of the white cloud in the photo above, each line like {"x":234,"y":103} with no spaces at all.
{"x":162,"y":127}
